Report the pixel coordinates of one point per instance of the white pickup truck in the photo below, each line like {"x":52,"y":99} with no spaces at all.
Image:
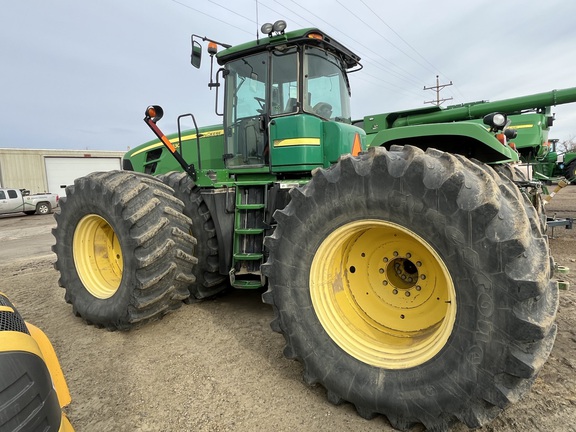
{"x":16,"y":201}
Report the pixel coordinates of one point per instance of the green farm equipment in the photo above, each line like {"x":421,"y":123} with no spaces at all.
{"x":407,"y":269}
{"x":552,"y":164}
{"x":529,"y":119}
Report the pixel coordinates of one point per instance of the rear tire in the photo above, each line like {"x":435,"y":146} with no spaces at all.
{"x":462,"y":339}
{"x":123,"y":249}
{"x":570,"y":172}
{"x":209,"y":281}
{"x":43,"y":208}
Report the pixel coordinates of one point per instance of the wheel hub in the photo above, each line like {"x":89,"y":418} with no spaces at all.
{"x":97,"y":256}
{"x":383,"y":294}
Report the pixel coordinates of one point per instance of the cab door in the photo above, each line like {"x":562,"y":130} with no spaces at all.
{"x":10,"y":201}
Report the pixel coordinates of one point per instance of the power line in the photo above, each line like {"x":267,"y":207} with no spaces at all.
{"x":382,"y":36}
{"x":436,"y":69}
{"x":402,"y":39}
{"x":210,"y":16}
{"x":234,"y":12}
{"x":405,"y":76}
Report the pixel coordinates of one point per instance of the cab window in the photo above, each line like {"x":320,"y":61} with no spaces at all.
{"x":326,"y":91}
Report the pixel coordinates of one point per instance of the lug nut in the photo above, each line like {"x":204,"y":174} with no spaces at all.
{"x":395,"y":292}
{"x":418,"y":287}
{"x":407,"y":293}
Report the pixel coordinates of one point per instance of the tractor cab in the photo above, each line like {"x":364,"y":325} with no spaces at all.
{"x":279,"y":92}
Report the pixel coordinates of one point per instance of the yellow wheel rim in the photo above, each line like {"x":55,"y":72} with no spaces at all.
{"x":97,"y":256}
{"x":383,"y":294}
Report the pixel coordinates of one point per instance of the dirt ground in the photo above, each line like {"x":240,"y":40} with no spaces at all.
{"x":217,"y":365}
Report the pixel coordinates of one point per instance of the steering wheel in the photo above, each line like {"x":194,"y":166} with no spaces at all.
{"x":323,"y":109}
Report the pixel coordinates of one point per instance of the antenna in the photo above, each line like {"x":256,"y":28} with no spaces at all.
{"x":257,"y":37}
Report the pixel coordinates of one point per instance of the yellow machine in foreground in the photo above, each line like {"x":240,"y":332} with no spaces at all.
{"x":33,"y":390}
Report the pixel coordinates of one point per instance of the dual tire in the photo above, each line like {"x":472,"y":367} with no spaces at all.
{"x":124,"y":249}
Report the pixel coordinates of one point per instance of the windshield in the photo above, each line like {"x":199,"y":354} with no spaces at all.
{"x":326,"y":92}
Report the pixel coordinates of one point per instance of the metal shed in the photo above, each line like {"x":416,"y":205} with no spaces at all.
{"x":52,"y":170}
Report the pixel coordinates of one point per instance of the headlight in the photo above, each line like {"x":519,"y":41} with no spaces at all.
{"x":495,"y":120}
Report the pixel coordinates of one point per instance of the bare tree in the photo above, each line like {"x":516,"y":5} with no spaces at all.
{"x":568,"y":145}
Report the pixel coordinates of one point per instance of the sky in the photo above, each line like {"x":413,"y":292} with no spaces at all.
{"x":78,"y":74}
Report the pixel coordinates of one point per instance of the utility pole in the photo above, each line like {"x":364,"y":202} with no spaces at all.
{"x":437,"y":88}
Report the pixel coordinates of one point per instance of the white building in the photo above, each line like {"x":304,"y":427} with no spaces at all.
{"x":52,"y":170}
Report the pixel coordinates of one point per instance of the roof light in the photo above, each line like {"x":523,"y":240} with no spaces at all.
{"x":267,"y":28}
{"x":279,"y":26}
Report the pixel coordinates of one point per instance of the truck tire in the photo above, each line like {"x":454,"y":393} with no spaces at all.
{"x":412,"y":284}
{"x":209,"y":281}
{"x":43,"y":208}
{"x":123,"y":249}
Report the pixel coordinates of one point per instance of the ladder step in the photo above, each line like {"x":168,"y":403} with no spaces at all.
{"x":248,"y":256}
{"x":249,"y":231}
{"x":246,"y":284}
{"x":249,"y":206}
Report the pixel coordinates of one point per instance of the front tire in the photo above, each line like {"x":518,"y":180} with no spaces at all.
{"x":413,"y":285}
{"x":123,"y":249}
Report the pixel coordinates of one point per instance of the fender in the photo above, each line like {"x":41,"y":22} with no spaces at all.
{"x":33,"y":389}
{"x":466,"y":138}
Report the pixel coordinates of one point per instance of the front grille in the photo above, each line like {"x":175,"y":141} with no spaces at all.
{"x":11,"y":321}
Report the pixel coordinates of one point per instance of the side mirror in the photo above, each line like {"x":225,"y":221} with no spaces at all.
{"x":196,"y":54}
{"x":154,"y":113}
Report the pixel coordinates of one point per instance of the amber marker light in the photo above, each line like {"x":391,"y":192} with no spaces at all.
{"x":356,"y":146}
{"x":316,"y":36}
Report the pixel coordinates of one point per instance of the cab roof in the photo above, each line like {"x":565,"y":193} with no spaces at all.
{"x":296,"y":37}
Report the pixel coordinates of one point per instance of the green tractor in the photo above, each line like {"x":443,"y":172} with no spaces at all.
{"x":412,"y":277}
{"x":552,"y":164}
